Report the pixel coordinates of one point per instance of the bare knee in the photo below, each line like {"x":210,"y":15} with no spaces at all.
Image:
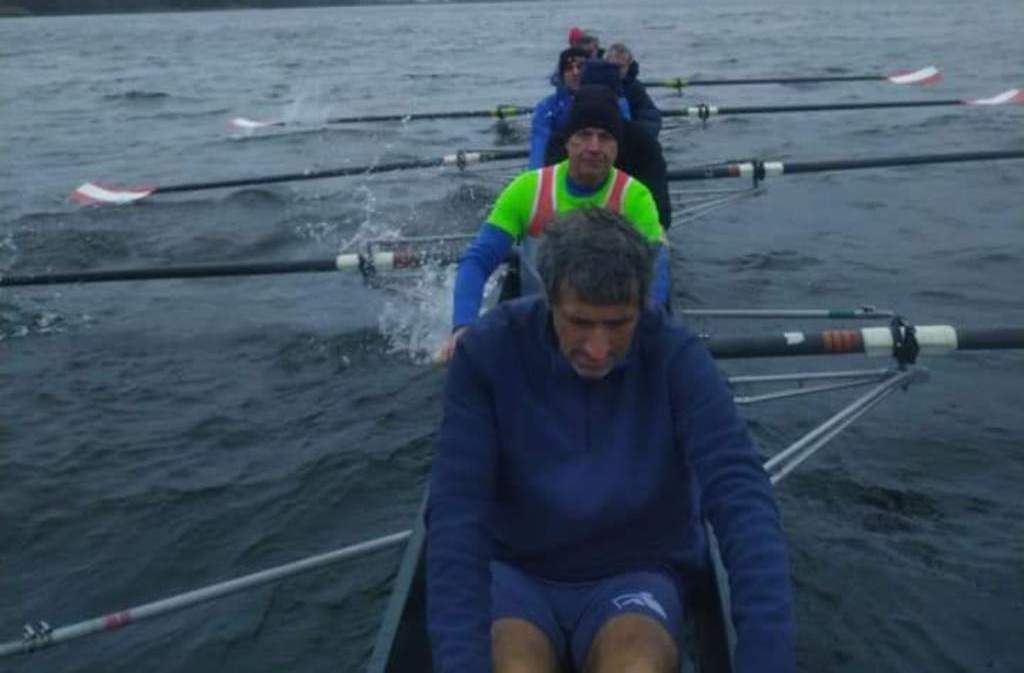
{"x":632,"y":643}
{"x":517,"y":646}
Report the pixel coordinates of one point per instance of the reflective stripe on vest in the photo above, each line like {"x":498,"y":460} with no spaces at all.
{"x":545,"y":200}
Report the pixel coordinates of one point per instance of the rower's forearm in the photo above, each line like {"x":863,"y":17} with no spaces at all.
{"x":458,"y":589}
{"x":661,"y":279}
{"x":477,"y":264}
{"x":737,"y":498}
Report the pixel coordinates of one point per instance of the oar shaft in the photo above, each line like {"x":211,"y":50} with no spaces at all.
{"x":679,"y":82}
{"x":116,"y":620}
{"x":500,"y":112}
{"x":762,"y":169}
{"x":305,"y":175}
{"x":865,"y":312}
{"x":872,"y":341}
{"x":884,"y":162}
{"x":401,"y":257}
{"x":173,"y":272}
{"x":990,"y":339}
{"x":459,"y":158}
{"x":712,"y":110}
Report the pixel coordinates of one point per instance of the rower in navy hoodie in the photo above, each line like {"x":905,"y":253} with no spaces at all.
{"x":584,"y":438}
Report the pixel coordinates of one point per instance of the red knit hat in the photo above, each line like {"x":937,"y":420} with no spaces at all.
{"x":575,"y":35}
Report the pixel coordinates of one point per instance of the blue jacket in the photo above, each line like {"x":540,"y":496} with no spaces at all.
{"x":550,"y":115}
{"x":568,"y":478}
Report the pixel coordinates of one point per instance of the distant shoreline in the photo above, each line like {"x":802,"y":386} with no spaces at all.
{"x":27,"y":8}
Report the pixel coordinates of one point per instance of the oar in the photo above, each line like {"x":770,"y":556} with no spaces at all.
{"x":43,"y":635}
{"x":500,"y":112}
{"x":761,"y":169}
{"x":402,"y":255}
{"x":928,"y":75}
{"x":703,"y":111}
{"x":91,"y":192}
{"x":872,"y":341}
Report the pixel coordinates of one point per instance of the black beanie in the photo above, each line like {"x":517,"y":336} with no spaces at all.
{"x":563,"y":58}
{"x":595,"y":106}
{"x":596,"y":71}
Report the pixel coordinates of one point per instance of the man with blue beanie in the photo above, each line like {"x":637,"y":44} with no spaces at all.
{"x":584,"y":438}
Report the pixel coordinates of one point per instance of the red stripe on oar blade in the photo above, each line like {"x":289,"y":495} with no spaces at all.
{"x":93,"y":193}
{"x":1008,"y":97}
{"x":928,"y":75}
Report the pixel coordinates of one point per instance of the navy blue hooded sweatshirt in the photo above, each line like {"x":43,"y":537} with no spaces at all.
{"x":576,"y":479}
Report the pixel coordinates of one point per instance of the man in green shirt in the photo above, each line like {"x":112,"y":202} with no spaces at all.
{"x":587,"y":178}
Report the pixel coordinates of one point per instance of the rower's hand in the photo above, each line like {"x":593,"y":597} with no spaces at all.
{"x":448,"y":350}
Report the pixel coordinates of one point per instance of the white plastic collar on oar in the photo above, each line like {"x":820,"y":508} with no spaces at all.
{"x":380,"y":261}
{"x":928,"y":75}
{"x":461,"y":159}
{"x":1010,"y":96}
{"x":90,"y":192}
{"x":932,"y":340}
{"x":771,"y":169}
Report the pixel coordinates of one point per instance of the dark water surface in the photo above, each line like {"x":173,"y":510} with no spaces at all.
{"x":156,"y":437}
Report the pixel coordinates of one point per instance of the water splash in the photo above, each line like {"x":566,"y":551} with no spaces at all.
{"x":8,"y":251}
{"x":417,"y":320}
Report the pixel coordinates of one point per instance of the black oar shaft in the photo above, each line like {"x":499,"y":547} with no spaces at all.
{"x":767,"y":168}
{"x":172,"y":272}
{"x":702,"y":111}
{"x":990,"y":339}
{"x":500,"y":112}
{"x":884,"y":162}
{"x":342,"y":172}
{"x":876,"y":341}
{"x":389,"y":255}
{"x":679,"y":83}
{"x":727,"y":348}
{"x":305,"y":175}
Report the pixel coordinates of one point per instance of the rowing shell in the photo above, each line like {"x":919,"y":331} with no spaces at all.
{"x":403,"y":646}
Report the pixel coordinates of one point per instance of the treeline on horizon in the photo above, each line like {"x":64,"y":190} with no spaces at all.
{"x":42,"y":7}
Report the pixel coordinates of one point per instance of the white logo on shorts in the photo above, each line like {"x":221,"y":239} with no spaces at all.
{"x":643,"y":599}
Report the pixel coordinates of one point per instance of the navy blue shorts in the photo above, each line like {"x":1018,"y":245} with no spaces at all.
{"x":571,"y":613}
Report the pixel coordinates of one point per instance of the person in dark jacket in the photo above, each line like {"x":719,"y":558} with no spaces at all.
{"x":640,"y":154}
{"x":641,"y":106}
{"x":584,"y":437}
{"x":552,"y":112}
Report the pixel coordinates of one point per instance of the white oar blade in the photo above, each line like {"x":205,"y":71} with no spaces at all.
{"x":92,"y":193}
{"x":928,"y":75}
{"x":1008,"y":97}
{"x":249,"y":124}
